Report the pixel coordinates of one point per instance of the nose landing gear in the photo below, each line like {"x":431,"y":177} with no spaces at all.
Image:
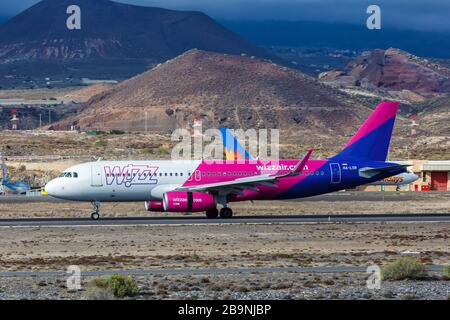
{"x":95,"y":208}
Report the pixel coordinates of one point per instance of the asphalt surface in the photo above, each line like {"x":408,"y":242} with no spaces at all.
{"x":336,"y":196}
{"x":195,"y":271}
{"x":272,"y":219}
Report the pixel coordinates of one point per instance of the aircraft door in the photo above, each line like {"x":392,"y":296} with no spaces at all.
{"x":335,"y":169}
{"x":96,"y":176}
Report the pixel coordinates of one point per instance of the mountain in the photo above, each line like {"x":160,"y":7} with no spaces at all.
{"x":221,"y":90}
{"x":356,"y":37}
{"x":118,"y":36}
{"x":393,"y":72}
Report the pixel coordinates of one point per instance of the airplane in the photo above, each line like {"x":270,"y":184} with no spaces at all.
{"x":399,"y":180}
{"x":18,"y":187}
{"x":235,"y":151}
{"x":202,"y":185}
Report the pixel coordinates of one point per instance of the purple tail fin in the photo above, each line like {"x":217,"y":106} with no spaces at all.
{"x":371,"y":141}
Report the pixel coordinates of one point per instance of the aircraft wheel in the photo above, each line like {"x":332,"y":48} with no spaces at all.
{"x":95,"y":216}
{"x":226,"y":213}
{"x":212,"y":214}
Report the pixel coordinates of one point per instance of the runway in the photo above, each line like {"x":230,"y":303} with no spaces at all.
{"x":196,"y":271}
{"x":336,"y":196}
{"x":269,"y":219}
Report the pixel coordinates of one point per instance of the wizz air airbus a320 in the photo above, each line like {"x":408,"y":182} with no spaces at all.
{"x":200,"y":186}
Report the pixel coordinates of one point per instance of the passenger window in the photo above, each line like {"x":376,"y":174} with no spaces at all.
{"x":68,"y":175}
{"x":181,"y":174}
{"x":176,"y":174}
{"x":170,"y":174}
{"x":165,"y":174}
{"x":75,"y":175}
{"x":204,"y":174}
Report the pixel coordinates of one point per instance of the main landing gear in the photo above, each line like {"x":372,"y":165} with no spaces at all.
{"x":95,"y":210}
{"x":212,"y":214}
{"x":225,"y":213}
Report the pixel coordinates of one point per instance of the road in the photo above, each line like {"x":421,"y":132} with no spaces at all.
{"x":197,"y":271}
{"x":270,"y":219}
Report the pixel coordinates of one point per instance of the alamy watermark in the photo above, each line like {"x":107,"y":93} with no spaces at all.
{"x":73,"y":281}
{"x":374,"y":20}
{"x":374,"y":280}
{"x":261,"y":144}
{"x":73,"y":22}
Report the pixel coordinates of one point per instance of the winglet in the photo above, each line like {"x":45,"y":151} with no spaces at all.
{"x":302,"y":163}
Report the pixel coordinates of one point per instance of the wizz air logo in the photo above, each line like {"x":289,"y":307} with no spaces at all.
{"x":278,"y":167}
{"x":130,"y":175}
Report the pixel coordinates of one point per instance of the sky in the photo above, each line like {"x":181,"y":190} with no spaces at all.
{"x":427,"y":15}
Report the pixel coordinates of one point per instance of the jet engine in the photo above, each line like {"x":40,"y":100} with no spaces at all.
{"x":179,"y":201}
{"x":154,"y":206}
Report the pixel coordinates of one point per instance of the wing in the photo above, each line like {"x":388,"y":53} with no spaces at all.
{"x":248,"y":183}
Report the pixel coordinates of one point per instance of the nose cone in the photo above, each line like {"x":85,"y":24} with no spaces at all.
{"x":51,"y":188}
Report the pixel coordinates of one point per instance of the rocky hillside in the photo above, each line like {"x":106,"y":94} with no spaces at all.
{"x":393,"y":72}
{"x":221,"y":90}
{"x":113,"y":30}
{"x":116,"y":40}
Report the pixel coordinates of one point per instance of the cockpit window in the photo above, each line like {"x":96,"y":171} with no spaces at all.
{"x":69,"y":174}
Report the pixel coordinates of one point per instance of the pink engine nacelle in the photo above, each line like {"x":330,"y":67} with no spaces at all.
{"x":154,"y":206}
{"x":178,"y":201}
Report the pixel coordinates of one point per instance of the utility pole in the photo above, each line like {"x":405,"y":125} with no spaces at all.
{"x":146,"y":123}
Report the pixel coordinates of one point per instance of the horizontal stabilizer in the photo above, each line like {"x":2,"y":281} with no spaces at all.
{"x":370,"y":172}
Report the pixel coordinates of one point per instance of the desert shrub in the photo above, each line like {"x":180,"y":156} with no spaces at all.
{"x":117,"y":132}
{"x":97,"y":293}
{"x":100,"y":143}
{"x":447,"y":271}
{"x":117,"y":285}
{"x":404,"y":268}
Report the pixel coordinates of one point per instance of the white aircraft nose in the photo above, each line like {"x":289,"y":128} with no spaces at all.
{"x":51,"y":187}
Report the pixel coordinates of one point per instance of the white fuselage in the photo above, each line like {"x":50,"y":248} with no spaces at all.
{"x":121,"y":180}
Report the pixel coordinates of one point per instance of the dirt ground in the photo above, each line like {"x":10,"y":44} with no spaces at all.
{"x":226,"y":246}
{"x":217,"y":246}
